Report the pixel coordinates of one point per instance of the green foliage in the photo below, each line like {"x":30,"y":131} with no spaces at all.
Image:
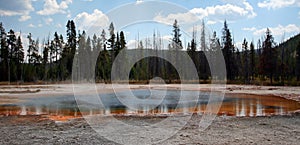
{"x":298,"y":61}
{"x":252,"y":67}
{"x":245,"y":61}
{"x":268,"y":64}
{"x":176,"y":42}
{"x":229,"y":52}
{"x":268,"y":59}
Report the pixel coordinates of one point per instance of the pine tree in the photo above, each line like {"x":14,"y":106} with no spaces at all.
{"x":57,"y":47}
{"x":122,"y":40}
{"x":96,"y":48}
{"x":36,"y":53}
{"x":228,"y":51}
{"x":89,"y":64}
{"x":103,"y":39}
{"x":203,"y":60}
{"x":63,"y":70}
{"x":30,"y":48}
{"x":215,"y":42}
{"x":252,"y":61}
{"x":82,"y":56}
{"x":12,"y":41}
{"x":112,"y":38}
{"x":238,"y":60}
{"x":193,"y":44}
{"x":188,"y":48}
{"x":4,"y":52}
{"x":192,"y":47}
{"x":33,"y":50}
{"x":245,"y":61}
{"x":32,"y":70}
{"x":70,"y":48}
{"x":19,"y":58}
{"x":95,"y":43}
{"x":112,"y":42}
{"x":203,"y":41}
{"x":118,"y":45}
{"x":45,"y":59}
{"x":71,"y":37}
{"x":268,"y":58}
{"x":215,"y":47}
{"x":259,"y":52}
{"x":20,"y":50}
{"x":104,"y":58}
{"x":175,"y":47}
{"x":298,"y":61}
{"x":176,"y":42}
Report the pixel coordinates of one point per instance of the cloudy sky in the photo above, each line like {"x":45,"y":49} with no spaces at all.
{"x":140,"y":18}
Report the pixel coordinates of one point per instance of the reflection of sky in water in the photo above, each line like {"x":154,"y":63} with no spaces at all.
{"x":255,"y":107}
{"x":66,"y":105}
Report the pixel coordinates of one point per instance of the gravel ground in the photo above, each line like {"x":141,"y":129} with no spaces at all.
{"x":224,"y":130}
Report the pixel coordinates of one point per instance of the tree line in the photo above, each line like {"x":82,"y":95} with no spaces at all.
{"x":52,"y":60}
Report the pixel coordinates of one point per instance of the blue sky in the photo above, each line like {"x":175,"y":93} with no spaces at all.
{"x":139,"y":19}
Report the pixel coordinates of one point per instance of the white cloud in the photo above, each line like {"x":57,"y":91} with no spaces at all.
{"x":211,"y":22}
{"x":167,"y":38}
{"x":131,"y":44}
{"x":9,"y":13}
{"x":139,"y":2}
{"x":196,"y":28}
{"x":249,"y":29}
{"x":276,"y":4}
{"x":276,"y":31}
{"x":16,"y":8}
{"x":51,"y":7}
{"x":217,"y":13}
{"x":31,"y":26}
{"x":180,"y":17}
{"x":48,"y":21}
{"x":127,"y":33}
{"x":40,"y":25}
{"x":24,"y":18}
{"x":228,"y":11}
{"x":69,"y":15}
{"x":96,"y":20}
{"x":58,"y":26}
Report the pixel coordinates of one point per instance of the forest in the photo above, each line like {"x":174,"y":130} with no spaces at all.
{"x":52,"y":60}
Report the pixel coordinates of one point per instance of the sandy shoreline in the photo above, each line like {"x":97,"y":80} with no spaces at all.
{"x":17,"y":92}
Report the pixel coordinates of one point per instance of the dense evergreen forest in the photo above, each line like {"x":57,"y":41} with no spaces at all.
{"x":51,"y":60}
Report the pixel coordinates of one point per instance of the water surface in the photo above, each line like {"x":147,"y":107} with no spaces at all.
{"x":61,"y":107}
